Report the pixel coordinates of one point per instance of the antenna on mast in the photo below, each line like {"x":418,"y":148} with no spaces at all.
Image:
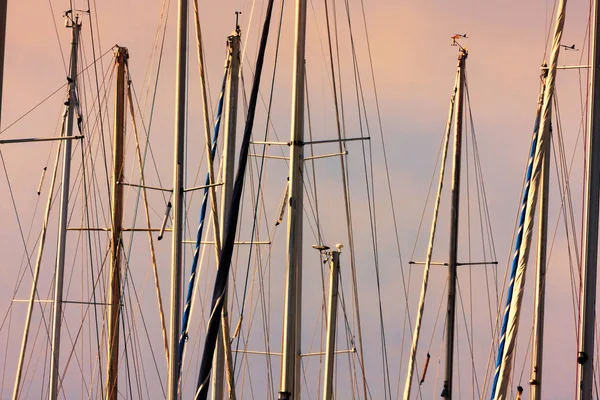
{"x":237,"y":20}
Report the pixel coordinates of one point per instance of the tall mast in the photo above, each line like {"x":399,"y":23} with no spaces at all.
{"x":114,"y":296}
{"x":540,"y":277}
{"x":290,"y":361}
{"x":585,"y":356}
{"x":334,"y":271}
{"x":452,"y":263}
{"x":178,"y":167}
{"x":223,"y":350}
{"x":64,"y":209}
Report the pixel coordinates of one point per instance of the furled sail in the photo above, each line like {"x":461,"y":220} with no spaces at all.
{"x":510,"y":322}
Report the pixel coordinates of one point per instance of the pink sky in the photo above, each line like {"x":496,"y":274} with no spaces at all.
{"x":414,"y":68}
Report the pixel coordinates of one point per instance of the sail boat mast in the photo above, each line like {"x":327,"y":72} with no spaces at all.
{"x":64,"y":208}
{"x":510,"y":322}
{"x":176,"y":244}
{"x":223,"y":355}
{"x":540,"y":276}
{"x":452,"y":262}
{"x":290,"y":361}
{"x":585,"y":356}
{"x":334,"y":271}
{"x":114,"y":299}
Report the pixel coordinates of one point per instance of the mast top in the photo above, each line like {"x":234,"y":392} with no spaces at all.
{"x":237,"y":22}
{"x":72,"y":19}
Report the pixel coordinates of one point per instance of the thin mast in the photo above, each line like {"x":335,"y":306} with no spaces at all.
{"x":587,"y":319}
{"x":334,"y":271}
{"x":290,"y":361}
{"x":223,"y":349}
{"x":64,"y":209}
{"x":114,"y":296}
{"x":540,"y":277}
{"x":176,"y":245}
{"x":452,"y":262}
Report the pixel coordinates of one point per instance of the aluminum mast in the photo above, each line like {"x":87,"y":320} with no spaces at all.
{"x":64,"y":209}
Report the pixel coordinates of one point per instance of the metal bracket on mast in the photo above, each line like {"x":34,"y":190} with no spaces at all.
{"x":302,"y":143}
{"x":458,"y":264}
{"x":46,"y":139}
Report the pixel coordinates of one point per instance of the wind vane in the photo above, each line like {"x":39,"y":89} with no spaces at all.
{"x":456,"y":38}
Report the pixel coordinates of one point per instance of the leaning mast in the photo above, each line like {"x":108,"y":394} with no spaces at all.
{"x":510,"y":322}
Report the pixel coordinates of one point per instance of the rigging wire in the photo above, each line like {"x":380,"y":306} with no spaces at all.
{"x":89,"y":237}
{"x":260,"y":177}
{"x":49,"y":96}
{"x":371,"y":198}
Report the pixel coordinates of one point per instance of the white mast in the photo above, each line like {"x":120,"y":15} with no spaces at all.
{"x":540,"y":277}
{"x":585,"y":356}
{"x":290,"y":360}
{"x":230,"y":118}
{"x":334,"y":271}
{"x":178,"y":168}
{"x":64,"y":209}
{"x":452,"y":261}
